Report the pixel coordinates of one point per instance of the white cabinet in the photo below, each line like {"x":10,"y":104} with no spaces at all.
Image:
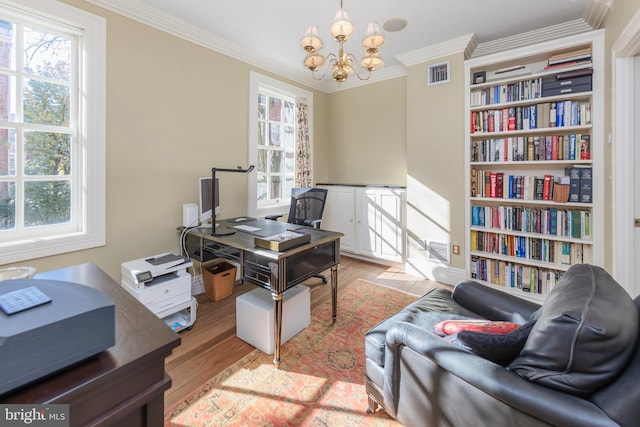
{"x":371,"y":219}
{"x":339,"y":215}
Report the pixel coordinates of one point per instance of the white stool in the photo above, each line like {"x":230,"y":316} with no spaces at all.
{"x":254,"y":316}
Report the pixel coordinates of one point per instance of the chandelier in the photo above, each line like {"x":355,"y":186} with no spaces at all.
{"x":342,"y":64}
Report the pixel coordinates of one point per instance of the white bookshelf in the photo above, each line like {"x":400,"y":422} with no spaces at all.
{"x":506,"y":161}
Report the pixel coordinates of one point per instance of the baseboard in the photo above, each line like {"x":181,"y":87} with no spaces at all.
{"x":437,"y":272}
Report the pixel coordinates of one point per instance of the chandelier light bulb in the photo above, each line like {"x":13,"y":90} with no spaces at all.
{"x":341,"y":28}
{"x":374,"y":38}
{"x":314,"y":61}
{"x":311,"y":42}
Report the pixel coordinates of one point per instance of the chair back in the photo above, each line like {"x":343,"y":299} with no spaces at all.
{"x":307,"y":206}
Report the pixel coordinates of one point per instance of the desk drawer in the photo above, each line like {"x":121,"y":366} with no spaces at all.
{"x":298,"y":267}
{"x":303,"y":265}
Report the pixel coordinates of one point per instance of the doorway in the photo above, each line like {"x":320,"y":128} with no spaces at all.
{"x":626,"y":156}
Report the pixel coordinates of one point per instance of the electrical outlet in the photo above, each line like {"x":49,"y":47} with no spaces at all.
{"x":455,"y":249}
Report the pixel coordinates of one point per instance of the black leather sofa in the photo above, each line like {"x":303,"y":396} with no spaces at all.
{"x":578,"y":365}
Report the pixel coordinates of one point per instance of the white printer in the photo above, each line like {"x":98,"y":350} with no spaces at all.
{"x":163,"y":284}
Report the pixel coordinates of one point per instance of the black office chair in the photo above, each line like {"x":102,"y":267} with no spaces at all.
{"x":306,"y":208}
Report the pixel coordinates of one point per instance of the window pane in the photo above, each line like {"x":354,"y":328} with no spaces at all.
{"x":275,"y":109}
{"x":262,"y":133}
{"x":288,"y":185}
{"x":47,"y":203}
{"x":276,"y":163}
{"x":7,"y":152}
{"x":289,"y":113}
{"x":262,"y":187}
{"x":46,"y":54}
{"x":276,"y":188}
{"x":274,"y":135}
{"x":7,"y":205}
{"x":7,"y":45}
{"x":288,"y":138}
{"x":7,"y":98}
{"x":262,"y":161}
{"x":47,"y":153}
{"x":289,"y":163}
{"x":46,"y":103}
{"x":262,"y":106}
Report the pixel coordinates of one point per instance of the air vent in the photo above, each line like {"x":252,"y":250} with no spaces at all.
{"x":438,"y":73}
{"x":439,"y":251}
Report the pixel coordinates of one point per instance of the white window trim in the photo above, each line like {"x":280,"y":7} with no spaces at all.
{"x":255,"y":81}
{"x":91,"y":140}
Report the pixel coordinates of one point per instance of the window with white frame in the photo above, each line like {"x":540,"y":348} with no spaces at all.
{"x":272,"y":143}
{"x":52,"y":129}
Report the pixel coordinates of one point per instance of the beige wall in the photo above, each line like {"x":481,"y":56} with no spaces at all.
{"x":435,"y":162}
{"x":367,"y":134}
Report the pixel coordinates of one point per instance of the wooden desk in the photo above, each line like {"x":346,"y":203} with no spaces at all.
{"x":275,"y":271}
{"x":123,"y":385}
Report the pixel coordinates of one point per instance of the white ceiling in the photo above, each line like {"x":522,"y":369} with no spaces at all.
{"x":268,"y":32}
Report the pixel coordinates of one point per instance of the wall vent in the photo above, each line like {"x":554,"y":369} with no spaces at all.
{"x":438,"y":73}
{"x":439,"y":251}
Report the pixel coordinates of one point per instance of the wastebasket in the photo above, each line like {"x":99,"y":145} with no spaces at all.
{"x":219,"y":279}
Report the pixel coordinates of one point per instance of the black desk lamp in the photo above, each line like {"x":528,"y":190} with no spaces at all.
{"x":213,"y":198}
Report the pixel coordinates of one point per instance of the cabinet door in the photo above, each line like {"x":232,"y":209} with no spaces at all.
{"x":339,"y":214}
{"x":379,"y":231}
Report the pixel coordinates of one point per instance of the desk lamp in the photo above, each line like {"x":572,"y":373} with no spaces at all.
{"x":213,"y":193}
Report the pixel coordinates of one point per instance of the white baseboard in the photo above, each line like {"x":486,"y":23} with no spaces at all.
{"x":433,"y":271}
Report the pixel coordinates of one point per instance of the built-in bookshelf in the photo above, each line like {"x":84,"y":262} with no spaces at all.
{"x":534,"y":147}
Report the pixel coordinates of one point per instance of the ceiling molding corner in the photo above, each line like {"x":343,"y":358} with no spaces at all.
{"x":553,"y":32}
{"x":596,"y":11}
{"x":459,"y":44}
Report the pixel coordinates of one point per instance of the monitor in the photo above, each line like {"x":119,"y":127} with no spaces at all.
{"x":205,"y":193}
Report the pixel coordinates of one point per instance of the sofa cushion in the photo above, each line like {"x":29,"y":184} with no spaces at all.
{"x":449,"y":327}
{"x":431,"y":308}
{"x":499,"y":348}
{"x":585,"y":333}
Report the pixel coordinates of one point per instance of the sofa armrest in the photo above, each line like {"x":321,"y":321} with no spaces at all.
{"x":506,"y":387}
{"x":493,"y":304}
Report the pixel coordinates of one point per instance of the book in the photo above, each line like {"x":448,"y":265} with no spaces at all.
{"x":574,"y":183}
{"x":585,"y":147}
{"x":586,"y":183}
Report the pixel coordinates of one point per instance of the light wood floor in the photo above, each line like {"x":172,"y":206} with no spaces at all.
{"x":211,"y":345}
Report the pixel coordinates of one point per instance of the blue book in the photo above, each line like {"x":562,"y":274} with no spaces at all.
{"x":533,"y":116}
{"x":553,"y":221}
{"x":586,"y":182}
{"x":510,"y":186}
{"x":572,"y":146}
{"x":559,"y":114}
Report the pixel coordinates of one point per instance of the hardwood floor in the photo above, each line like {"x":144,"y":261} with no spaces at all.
{"x":211,"y":345}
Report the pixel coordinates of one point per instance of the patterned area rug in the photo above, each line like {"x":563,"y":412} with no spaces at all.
{"x":321,"y":377}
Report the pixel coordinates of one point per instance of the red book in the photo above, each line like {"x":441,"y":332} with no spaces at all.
{"x":493,"y":185}
{"x":554,"y":147}
{"x":499,"y":185}
{"x":546,"y":188}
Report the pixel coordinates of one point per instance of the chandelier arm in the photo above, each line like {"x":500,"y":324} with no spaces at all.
{"x":356,"y":67}
{"x":329,"y":61}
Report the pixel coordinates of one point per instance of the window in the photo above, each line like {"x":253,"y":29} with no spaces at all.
{"x":272,"y":143}
{"x":52,"y":137}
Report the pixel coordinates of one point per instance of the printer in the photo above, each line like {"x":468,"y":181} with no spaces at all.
{"x":163,"y":284}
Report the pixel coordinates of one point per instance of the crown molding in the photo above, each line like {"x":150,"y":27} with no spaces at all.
{"x":596,"y":11}
{"x":459,"y":44}
{"x":553,"y":32}
{"x":147,"y":15}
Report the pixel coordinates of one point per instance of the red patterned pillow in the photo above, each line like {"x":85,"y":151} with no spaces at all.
{"x":448,"y":327}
